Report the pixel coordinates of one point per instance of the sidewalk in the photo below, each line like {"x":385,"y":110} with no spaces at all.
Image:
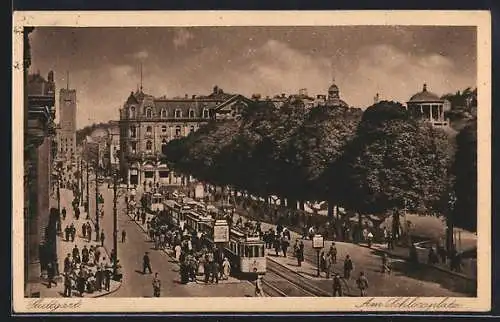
{"x":170,"y":252}
{"x":66,"y":247}
{"x":403,"y":253}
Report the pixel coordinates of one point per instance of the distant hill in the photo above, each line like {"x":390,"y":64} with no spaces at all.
{"x":82,"y":133}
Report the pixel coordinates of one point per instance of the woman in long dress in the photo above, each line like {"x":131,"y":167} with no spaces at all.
{"x":177,"y":249}
{"x":226,"y":269}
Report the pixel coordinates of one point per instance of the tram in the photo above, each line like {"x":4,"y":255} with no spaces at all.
{"x":157,"y":202}
{"x":245,"y":253}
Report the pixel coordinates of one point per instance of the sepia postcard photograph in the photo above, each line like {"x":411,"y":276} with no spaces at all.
{"x":289,"y":161}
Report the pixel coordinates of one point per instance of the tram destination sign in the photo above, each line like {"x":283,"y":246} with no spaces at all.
{"x":221,"y":231}
{"x":318,"y":242}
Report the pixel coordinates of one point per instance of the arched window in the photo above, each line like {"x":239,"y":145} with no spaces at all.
{"x":205,"y":113}
{"x":149,"y":145}
{"x":163,"y":113}
{"x":177,"y":130}
{"x":178,"y":113}
{"x":149,"y":129}
{"x":164,"y":129}
{"x":132,"y":112}
{"x":191,"y":129}
{"x":133,"y":131}
{"x":149,"y":113}
{"x":191,"y":114}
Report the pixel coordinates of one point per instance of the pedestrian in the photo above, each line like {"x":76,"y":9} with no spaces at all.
{"x":333,"y":253}
{"x":107,"y":277}
{"x":207,"y":269}
{"x":328,"y":265}
{"x":67,"y":284}
{"x":143,"y":218}
{"x":67,"y":263}
{"x":146,"y":263}
{"x":85,"y":255}
{"x":66,"y":233}
{"x":73,"y":232}
{"x":277,"y":244}
{"x":76,"y":252}
{"x":215,"y":272}
{"x":348,"y":267}
{"x":51,"y":273}
{"x":337,"y":286}
{"x":259,"y":292}
{"x":77,"y":213}
{"x":362,"y":283}
{"x":84,"y":230}
{"x":80,"y":283}
{"x":102,"y":238}
{"x":156,"y":286}
{"x":89,"y":232}
{"x":284,"y":245}
{"x":386,"y":267}
{"x":64,"y":213}
{"x":226,"y":269}
{"x":370,"y":239}
{"x":99,"y":279}
{"x":124,"y":235}
{"x":177,"y":250}
{"x":300,"y":257}
{"x":432,"y":258}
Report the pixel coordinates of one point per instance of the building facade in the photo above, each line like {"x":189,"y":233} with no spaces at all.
{"x":40,"y":215}
{"x":147,"y":124}
{"x":67,"y":133}
{"x":428,"y":106}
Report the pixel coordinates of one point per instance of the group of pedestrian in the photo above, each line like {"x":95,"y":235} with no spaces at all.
{"x":87,"y":231}
{"x":86,"y":272}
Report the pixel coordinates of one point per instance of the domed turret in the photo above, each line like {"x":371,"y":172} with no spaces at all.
{"x":334,"y":96}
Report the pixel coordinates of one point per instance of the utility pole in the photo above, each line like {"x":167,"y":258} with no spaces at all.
{"x":98,"y":231}
{"x":88,"y":193}
{"x":115,"y":224}
{"x":81,"y":182}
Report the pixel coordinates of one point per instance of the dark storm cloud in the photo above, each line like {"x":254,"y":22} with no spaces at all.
{"x":104,"y":63}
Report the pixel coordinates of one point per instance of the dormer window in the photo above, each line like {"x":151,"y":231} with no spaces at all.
{"x":164,"y":113}
{"x":178,"y":113}
{"x":206,"y":114}
{"x":191,"y":114}
{"x":132,"y":112}
{"x":149,"y":113}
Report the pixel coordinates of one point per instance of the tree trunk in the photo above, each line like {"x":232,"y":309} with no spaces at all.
{"x":395,"y":224}
{"x":330,"y":209}
{"x":360,"y":227}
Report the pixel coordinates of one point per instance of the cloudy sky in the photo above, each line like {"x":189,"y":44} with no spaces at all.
{"x":104,"y":63}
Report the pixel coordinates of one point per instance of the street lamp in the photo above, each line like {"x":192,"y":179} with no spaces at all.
{"x":116,"y":181}
{"x":452,"y":199}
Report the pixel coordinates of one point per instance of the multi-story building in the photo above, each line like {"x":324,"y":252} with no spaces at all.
{"x":114,"y":144}
{"x":67,"y":133}
{"x":148,"y":123}
{"x":40,"y":216}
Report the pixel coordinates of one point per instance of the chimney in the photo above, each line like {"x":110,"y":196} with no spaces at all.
{"x":193,"y":97}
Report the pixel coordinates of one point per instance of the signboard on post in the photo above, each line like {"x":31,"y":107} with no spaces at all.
{"x":221,"y":231}
{"x":318,"y":242}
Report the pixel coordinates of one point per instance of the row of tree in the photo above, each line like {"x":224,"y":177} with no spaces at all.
{"x":372,"y":162}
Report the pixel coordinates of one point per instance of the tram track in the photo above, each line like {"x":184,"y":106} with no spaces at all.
{"x":286,"y":277}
